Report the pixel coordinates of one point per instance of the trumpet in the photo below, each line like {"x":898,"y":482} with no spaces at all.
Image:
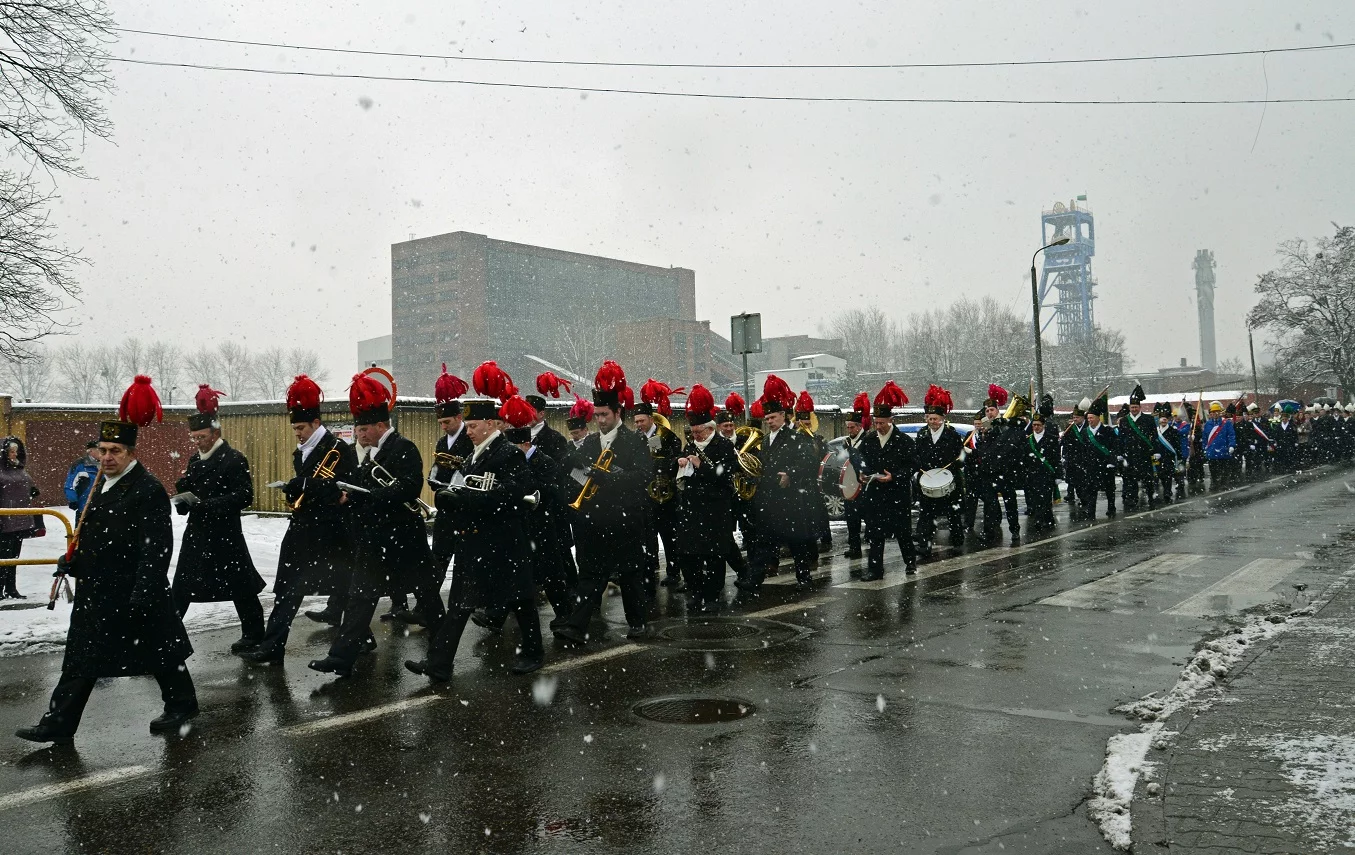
{"x":382,"y":476}
{"x":486,"y":482}
{"x":750,"y":467}
{"x":590,"y":489}
{"x":447,"y":460}
{"x":328,"y":464}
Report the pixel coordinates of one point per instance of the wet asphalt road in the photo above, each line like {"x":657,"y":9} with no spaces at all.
{"x":951,"y":713}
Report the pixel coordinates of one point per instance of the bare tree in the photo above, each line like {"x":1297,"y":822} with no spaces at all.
{"x":302,"y":360}
{"x":111,"y":380}
{"x":583,"y":344}
{"x":1308,"y":304}
{"x":133,"y":355}
{"x":202,"y":366}
{"x":235,"y":363}
{"x":53,"y":67}
{"x":269,"y":373}
{"x":28,"y":379}
{"x":871,"y":340}
{"x":77,"y":373}
{"x":164,"y":361}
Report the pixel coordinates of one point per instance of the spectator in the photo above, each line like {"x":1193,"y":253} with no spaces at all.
{"x":80,"y":477}
{"x":16,"y":491}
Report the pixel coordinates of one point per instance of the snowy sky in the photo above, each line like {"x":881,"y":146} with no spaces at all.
{"x":261,"y":208}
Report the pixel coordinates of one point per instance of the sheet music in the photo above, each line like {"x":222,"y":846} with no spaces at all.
{"x":686,"y":470}
{"x":580,"y":475}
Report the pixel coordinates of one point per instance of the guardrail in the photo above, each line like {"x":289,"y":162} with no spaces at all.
{"x":28,"y":512}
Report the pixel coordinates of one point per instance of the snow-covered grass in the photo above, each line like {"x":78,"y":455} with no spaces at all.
{"x":37,"y":630}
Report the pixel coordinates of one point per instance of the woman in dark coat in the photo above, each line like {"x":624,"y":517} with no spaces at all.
{"x":123,"y":623}
{"x":16,"y":491}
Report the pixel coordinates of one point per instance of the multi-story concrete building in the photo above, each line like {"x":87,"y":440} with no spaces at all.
{"x":462,"y":298}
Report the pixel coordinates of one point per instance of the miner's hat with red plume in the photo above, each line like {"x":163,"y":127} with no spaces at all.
{"x":547,"y":383}
{"x":446,"y":390}
{"x":997,"y":396}
{"x":369,"y":400}
{"x":580,"y":414}
{"x":494,"y":385}
{"x":208,"y":402}
{"x":756,"y":411}
{"x":860,"y":409}
{"x":937,"y":401}
{"x":804,"y":406}
{"x":735,"y":405}
{"x":519,"y":414}
{"x":139,"y":407}
{"x":700,"y":406}
{"x":303,"y":400}
{"x":777,"y":396}
{"x":610,"y":389}
{"x":888,"y":398}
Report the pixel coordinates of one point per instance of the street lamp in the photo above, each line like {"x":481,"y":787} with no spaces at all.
{"x":1035,"y":310}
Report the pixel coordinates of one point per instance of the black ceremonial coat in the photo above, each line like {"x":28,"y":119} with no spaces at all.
{"x":558,"y":447}
{"x":214,"y":563}
{"x":390,"y":543}
{"x":124,"y":548}
{"x":1042,"y":459}
{"x":944,"y":453}
{"x":444,"y":537}
{"x":1139,"y":451}
{"x":493,"y":565}
{"x":615,"y":516}
{"x":1286,"y":439}
{"x":545,"y":525}
{"x":704,"y":521}
{"x":884,"y":503}
{"x":788,"y":513}
{"x":1103,"y":464}
{"x":551,"y":441}
{"x":317,"y":550}
{"x":1076,"y":464}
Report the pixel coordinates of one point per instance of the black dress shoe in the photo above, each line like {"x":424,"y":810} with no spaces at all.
{"x":367,"y":645}
{"x":852,"y":553}
{"x":331,"y":665}
{"x":638,"y":632}
{"x":413,"y":617}
{"x":480,"y":618}
{"x":245,"y":643}
{"x":875,"y":576}
{"x":44,"y":733}
{"x":910,"y":567}
{"x":263,"y":656}
{"x":671,"y":581}
{"x":1016,"y":539}
{"x":170,"y":722}
{"x":570,"y":632}
{"x":804,"y":586}
{"x":421,"y":668}
{"x":325,"y":616}
{"x":854,"y":573}
{"x":525,"y":665}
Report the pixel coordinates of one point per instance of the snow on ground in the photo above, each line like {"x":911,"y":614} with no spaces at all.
{"x":1324,"y":765}
{"x":37,"y":630}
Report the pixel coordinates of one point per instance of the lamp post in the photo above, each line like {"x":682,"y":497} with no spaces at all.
{"x":1035,"y":310}
{"x":1251,"y":349}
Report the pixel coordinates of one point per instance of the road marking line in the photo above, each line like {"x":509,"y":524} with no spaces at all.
{"x":87,"y":782}
{"x":975,"y":593}
{"x":1255,"y":577}
{"x":590,"y":658}
{"x":346,"y":719}
{"x":787,"y":608}
{"x":1110,"y":588}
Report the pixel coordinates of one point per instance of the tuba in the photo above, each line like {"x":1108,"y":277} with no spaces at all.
{"x":661,"y":489}
{"x":750,"y":467}
{"x":328,"y":464}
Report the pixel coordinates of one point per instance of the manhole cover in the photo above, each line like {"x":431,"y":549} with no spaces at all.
{"x":706,"y":631}
{"x":715,"y":634}
{"x":693,"y":710}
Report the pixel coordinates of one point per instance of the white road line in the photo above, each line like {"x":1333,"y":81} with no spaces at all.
{"x":347,"y":719}
{"x":1107,"y":590}
{"x":1075,"y":558}
{"x":1255,"y":577}
{"x":787,"y":608}
{"x":589,"y":658}
{"x":87,"y":782}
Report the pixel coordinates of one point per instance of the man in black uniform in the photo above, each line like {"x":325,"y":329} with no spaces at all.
{"x":214,"y":561}
{"x":1073,"y":446}
{"x":857,"y":422}
{"x":704,"y":529}
{"x":979,"y":488}
{"x":493,"y":568}
{"x":1287,"y":440}
{"x":452,"y":450}
{"x":784,"y":506}
{"x":610,"y":529}
{"x":1166,"y":449}
{"x":390,"y":548}
{"x":124,"y":622}
{"x":557,"y":448}
{"x":665,"y":448}
{"x":545,"y":437}
{"x":1042,"y":462}
{"x":579,"y":416}
{"x":806,"y":421}
{"x":1103,"y":457}
{"x":890,"y":461}
{"x":1010,"y":464}
{"x":939,"y":446}
{"x":317,"y":550}
{"x":1136,"y":430}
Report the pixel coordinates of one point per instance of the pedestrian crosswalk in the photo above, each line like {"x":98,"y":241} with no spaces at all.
{"x":1107,"y":591}
{"x":1247,"y":586}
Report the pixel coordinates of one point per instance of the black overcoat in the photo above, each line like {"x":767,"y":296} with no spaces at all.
{"x":1073,"y":444}
{"x":390,"y":542}
{"x":124,"y":550}
{"x":615,"y":516}
{"x":317,"y":550}
{"x":444,"y":536}
{"x":704,"y":521}
{"x":1042,"y":458}
{"x":558,"y":448}
{"x":884,"y":501}
{"x":492,"y":566}
{"x":214,"y":563}
{"x":1139,"y":450}
{"x":546,"y":530}
{"x":788,"y":514}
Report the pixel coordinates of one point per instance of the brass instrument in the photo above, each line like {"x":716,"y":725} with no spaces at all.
{"x":382,"y":476}
{"x":447,"y":460}
{"x":660,"y":489}
{"x":590,"y":489}
{"x":328,"y":464}
{"x":750,"y":467}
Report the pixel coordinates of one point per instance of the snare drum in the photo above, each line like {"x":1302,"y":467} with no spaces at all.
{"x":936,"y":483}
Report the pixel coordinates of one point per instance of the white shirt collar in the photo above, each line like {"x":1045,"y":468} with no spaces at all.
{"x":609,"y":436}
{"x":482,"y":446}
{"x":454,"y":436}
{"x":650,"y":432}
{"x":110,"y":480}
{"x":207,"y":455}
{"x":884,"y":437}
{"x":536,"y":428}
{"x":702,"y":445}
{"x":936,"y":434}
{"x":1038,"y":434}
{"x":309,"y":445}
{"x":371,"y":450}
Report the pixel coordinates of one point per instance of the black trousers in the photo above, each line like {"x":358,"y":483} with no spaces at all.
{"x":855,"y":520}
{"x":765,"y":554}
{"x":951,"y":507}
{"x":705,"y":575}
{"x":72,"y":693}
{"x":627,"y":563}
{"x":1040,"y":500}
{"x":447,"y":637}
{"x":285,"y":607}
{"x":1136,"y":477}
{"x":885,"y":524}
{"x":1166,"y":477}
{"x":247,"y":608}
{"x":1100,"y":479}
{"x":356,"y":626}
{"x":9,"y":548}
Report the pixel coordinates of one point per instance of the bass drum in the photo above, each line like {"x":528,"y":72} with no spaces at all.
{"x":830,"y":469}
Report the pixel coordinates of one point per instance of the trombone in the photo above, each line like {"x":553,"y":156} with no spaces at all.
{"x":382,"y":476}
{"x":590,"y":488}
{"x":328,"y":464}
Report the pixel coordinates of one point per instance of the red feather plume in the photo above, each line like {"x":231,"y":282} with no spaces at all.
{"x":304,"y":394}
{"x":140,"y":404}
{"x":548,"y":383}
{"x":448,"y":387}
{"x":582,"y":409}
{"x":610,"y":377}
{"x":365,"y":393}
{"x":755,"y":411}
{"x":938,"y":397}
{"x":776,"y":389}
{"x":207,"y":399}
{"x":700,"y":400}
{"x":517,"y":412}
{"x":627,"y":398}
{"x":998,"y":394}
{"x":891,"y":396}
{"x":654,"y":391}
{"x":804,"y":404}
{"x":493,"y":382}
{"x":734,"y":404}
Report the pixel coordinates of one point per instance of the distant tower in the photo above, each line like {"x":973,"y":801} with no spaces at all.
{"x":1068,"y":269}
{"x":1204,"y":297}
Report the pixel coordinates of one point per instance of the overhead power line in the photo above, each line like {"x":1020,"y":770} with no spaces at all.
{"x":723,"y":95}
{"x":716,"y":65}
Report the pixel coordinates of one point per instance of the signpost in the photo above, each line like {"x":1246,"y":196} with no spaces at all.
{"x":745,"y":336}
